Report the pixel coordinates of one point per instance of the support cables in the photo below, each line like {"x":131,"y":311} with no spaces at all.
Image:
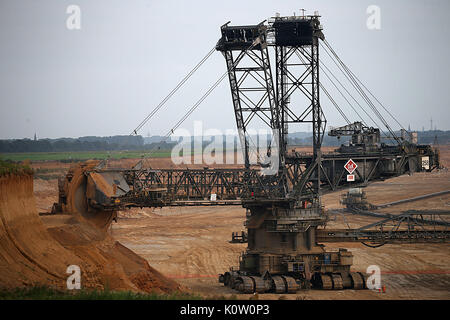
{"x":377,"y":100}
{"x":195,"y":106}
{"x":358,"y":89}
{"x":178,"y":86}
{"x":363,"y":93}
{"x":205,"y":95}
{"x":334,"y":103}
{"x":340,"y":83}
{"x":360,"y":82}
{"x":188,"y":113}
{"x":348,"y":78}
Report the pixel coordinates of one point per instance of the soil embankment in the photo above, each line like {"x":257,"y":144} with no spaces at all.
{"x":34,"y":253}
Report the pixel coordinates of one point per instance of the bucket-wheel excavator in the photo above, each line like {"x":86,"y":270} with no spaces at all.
{"x":281,"y":191}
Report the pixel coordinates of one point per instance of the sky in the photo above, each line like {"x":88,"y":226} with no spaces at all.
{"x":105,"y":77}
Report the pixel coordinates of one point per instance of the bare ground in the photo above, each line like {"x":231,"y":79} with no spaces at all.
{"x":191,"y":245}
{"x":37,"y":250}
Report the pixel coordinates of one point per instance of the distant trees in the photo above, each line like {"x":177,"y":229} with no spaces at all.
{"x":90,"y":143}
{"x":25,"y":145}
{"x":116,"y":143}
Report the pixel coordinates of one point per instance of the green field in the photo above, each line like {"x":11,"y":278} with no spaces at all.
{"x":83,"y":155}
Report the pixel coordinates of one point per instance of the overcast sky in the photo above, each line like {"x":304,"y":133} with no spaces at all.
{"x":104,"y":78}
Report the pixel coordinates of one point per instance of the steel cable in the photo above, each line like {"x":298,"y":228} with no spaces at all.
{"x":199,"y":101}
{"x":345,"y":70}
{"x":362,"y":92}
{"x":171,"y":93}
{"x":347,"y":77}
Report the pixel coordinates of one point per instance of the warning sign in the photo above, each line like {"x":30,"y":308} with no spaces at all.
{"x":350,"y":166}
{"x":426,"y":163}
{"x":350,"y":177}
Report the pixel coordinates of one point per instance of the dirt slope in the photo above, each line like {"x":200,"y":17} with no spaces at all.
{"x":31,"y":254}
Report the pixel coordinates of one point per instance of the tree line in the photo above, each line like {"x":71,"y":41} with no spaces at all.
{"x":80,"y":144}
{"x":122,"y":143}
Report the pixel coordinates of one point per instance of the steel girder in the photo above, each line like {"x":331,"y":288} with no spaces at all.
{"x":402,"y":228}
